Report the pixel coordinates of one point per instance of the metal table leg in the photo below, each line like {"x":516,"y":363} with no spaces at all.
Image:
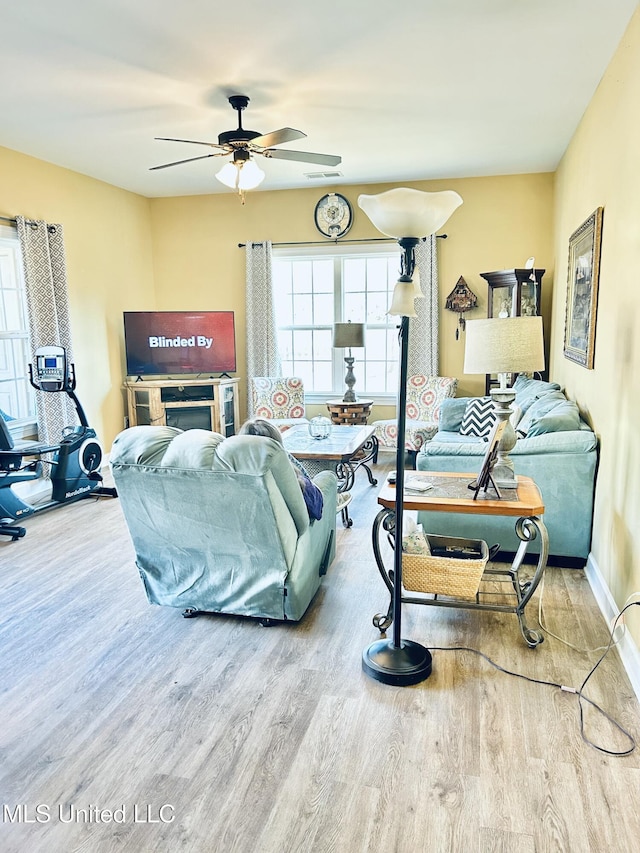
{"x":527,"y":529}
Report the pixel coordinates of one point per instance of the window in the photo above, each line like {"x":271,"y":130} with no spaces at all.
{"x":16,"y":396}
{"x":316,"y":288}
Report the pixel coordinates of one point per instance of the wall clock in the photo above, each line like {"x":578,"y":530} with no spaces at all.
{"x":333,"y":215}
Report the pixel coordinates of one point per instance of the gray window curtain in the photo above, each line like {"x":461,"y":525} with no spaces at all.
{"x":424,"y":354}
{"x":42,"y":246}
{"x":262,"y":333}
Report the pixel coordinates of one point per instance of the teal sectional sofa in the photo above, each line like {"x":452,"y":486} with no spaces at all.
{"x":555,"y":447}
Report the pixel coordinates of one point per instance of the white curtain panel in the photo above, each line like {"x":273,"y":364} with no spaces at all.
{"x":424,"y":355}
{"x":42,"y":246}
{"x":262,"y":333}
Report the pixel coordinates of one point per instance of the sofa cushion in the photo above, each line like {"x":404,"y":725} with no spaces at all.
{"x":454,"y":444}
{"x":529,"y":390}
{"x":539,"y":408}
{"x":479,"y":416}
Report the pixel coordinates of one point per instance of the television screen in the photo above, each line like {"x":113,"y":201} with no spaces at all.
{"x":179,"y":342}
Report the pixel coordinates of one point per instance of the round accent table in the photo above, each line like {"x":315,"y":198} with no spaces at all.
{"x":349,"y":413}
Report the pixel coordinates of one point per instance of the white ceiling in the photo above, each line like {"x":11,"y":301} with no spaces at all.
{"x":411,"y":90}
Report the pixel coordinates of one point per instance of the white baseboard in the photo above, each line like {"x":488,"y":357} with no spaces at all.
{"x":629,"y":653}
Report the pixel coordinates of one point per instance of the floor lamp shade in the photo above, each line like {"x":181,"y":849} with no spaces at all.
{"x":500,"y":346}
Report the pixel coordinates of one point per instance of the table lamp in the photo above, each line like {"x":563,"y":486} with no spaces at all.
{"x":408,"y":216}
{"x":504,"y":346}
{"x":347,"y":335}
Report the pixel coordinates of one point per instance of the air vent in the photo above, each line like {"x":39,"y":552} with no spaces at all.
{"x":318,"y":176}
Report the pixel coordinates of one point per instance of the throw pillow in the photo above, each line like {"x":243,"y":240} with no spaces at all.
{"x":565,"y":416}
{"x":451,"y":413}
{"x":479,"y":416}
{"x":538,"y":408}
{"x":529,"y":390}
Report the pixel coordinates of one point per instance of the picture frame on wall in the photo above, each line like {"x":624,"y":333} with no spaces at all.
{"x":582,"y":290}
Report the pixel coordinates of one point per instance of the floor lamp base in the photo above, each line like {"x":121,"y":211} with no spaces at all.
{"x":407,"y":664}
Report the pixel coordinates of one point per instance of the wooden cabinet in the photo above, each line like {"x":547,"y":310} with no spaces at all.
{"x":512,"y":293}
{"x":187,"y":404}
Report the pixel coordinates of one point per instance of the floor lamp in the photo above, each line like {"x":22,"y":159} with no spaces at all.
{"x":408,"y":216}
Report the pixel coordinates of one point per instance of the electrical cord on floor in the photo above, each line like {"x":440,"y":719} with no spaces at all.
{"x":550,"y":633}
{"x":578,"y":691}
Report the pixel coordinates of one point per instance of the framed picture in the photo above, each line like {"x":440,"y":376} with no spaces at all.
{"x":582,"y":291}
{"x":484,"y":478}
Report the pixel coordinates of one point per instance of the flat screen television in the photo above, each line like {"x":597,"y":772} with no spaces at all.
{"x":176,"y":343}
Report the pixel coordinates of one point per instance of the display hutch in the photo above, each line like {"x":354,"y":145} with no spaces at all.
{"x":512,"y":293}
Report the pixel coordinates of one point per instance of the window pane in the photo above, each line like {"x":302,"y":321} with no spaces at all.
{"x":322,"y":344}
{"x":354,"y":274}
{"x":302,"y":277}
{"x":323,"y":309}
{"x":377,"y":276}
{"x":377,"y":307}
{"x":354,"y":307}
{"x":285,"y":345}
{"x":302,"y":345}
{"x":323,"y":276}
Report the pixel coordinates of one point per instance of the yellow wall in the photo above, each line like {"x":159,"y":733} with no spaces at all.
{"x":600,"y":168}
{"x":109,"y":268}
{"x":502,"y":222}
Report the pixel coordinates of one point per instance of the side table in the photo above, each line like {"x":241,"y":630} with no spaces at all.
{"x":349,"y":413}
{"x":449,"y":493}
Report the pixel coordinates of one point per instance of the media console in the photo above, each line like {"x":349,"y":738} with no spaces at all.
{"x":184,"y":403}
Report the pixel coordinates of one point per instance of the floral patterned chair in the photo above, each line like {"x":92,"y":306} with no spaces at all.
{"x":280,"y":399}
{"x":424,"y":398}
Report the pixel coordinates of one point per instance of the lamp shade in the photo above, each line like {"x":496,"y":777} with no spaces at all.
{"x":228,"y":175}
{"x":405,"y":212}
{"x":348,"y":335}
{"x":510,"y":345}
{"x":251,"y":176}
{"x":403,"y":300}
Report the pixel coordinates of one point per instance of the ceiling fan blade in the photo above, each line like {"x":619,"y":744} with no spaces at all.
{"x":303,"y":157}
{"x":277,"y":137}
{"x":188,"y":160}
{"x":192,"y":141}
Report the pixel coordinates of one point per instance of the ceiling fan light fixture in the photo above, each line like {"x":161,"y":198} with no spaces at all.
{"x":242,"y":173}
{"x":228,"y":175}
{"x":250,"y":175}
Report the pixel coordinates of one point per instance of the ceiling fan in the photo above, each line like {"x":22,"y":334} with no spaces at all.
{"x":242,"y":172}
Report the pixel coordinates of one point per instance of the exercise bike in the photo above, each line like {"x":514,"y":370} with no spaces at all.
{"x":74,"y":461}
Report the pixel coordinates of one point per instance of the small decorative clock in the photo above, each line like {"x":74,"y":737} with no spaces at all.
{"x":333,"y":215}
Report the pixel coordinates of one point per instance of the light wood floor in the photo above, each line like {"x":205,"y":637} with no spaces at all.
{"x":272,"y":739}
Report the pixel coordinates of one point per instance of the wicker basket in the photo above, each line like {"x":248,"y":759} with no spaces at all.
{"x":457,"y":577}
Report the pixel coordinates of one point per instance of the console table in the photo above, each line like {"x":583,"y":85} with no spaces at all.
{"x":450,"y":493}
{"x":185,"y":403}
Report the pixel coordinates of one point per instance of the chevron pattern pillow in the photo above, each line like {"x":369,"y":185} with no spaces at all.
{"x":479,"y":416}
